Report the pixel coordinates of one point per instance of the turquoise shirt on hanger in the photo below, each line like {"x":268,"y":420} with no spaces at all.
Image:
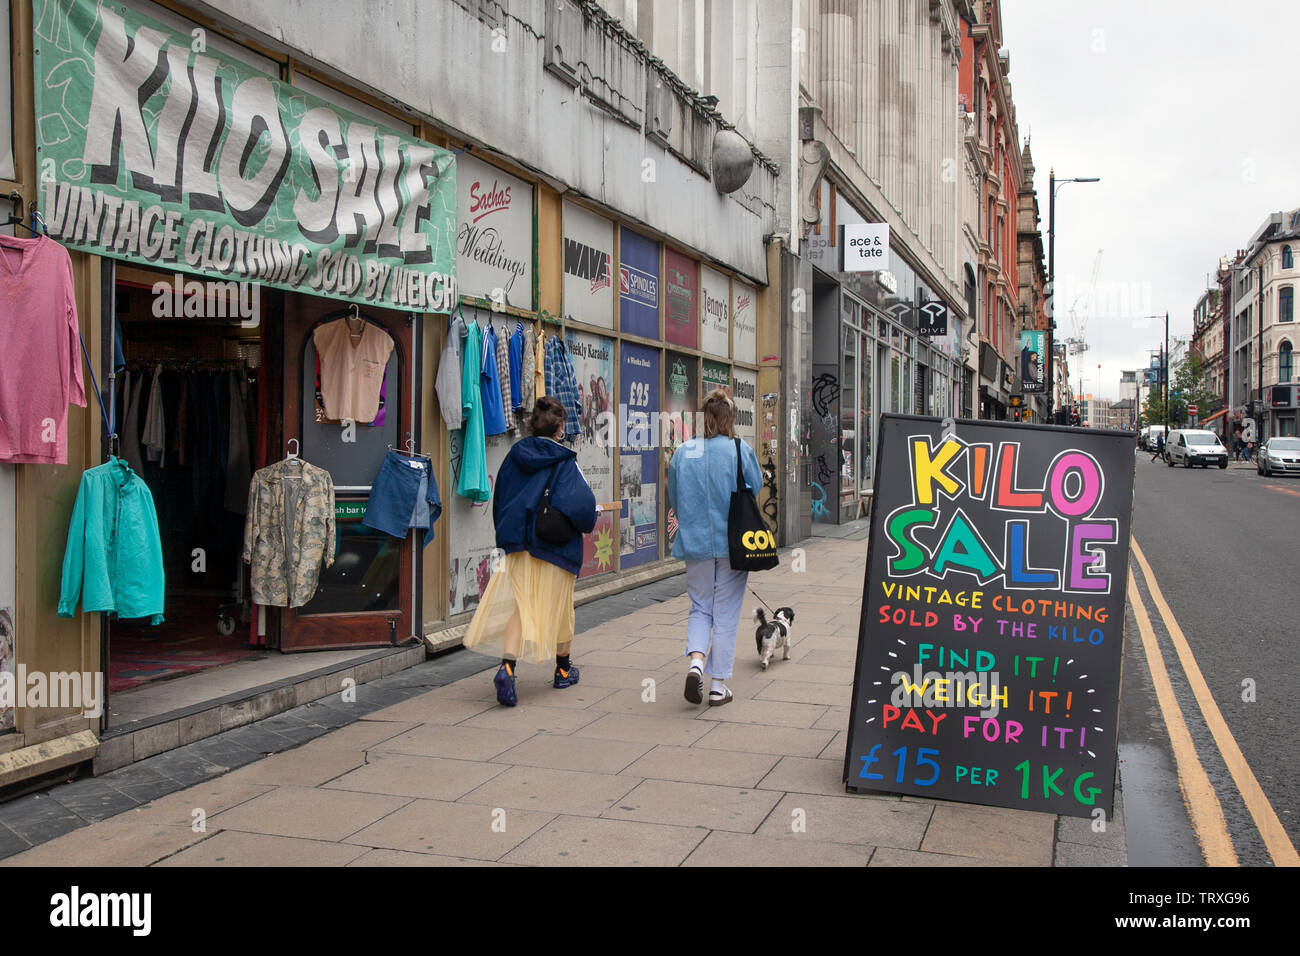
{"x":113,"y":560}
{"x":473,"y":482}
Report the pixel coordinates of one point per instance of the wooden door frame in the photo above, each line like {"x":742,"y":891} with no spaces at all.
{"x":366,"y":628}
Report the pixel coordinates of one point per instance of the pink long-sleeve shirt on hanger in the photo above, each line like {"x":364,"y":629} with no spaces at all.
{"x":40,"y":351}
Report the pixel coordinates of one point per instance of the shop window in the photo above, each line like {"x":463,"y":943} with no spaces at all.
{"x":864,"y":412}
{"x":848,"y":420}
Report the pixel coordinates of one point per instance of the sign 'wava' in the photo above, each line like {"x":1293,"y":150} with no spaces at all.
{"x":155,"y":150}
{"x":992,"y":626}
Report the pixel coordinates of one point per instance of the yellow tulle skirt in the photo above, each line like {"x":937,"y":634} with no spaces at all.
{"x":540,"y":593}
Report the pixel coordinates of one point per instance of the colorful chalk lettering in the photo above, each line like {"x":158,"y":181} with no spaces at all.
{"x":992,"y":615}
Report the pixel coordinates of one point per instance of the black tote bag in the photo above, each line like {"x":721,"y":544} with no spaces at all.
{"x":752,"y":546}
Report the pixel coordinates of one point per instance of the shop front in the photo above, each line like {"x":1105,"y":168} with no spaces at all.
{"x":249,"y":264}
{"x":883,"y":341}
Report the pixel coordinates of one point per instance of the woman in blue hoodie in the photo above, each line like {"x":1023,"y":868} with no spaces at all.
{"x":527,"y":608}
{"x":701,"y":479}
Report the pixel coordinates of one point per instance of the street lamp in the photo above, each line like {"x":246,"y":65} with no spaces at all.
{"x":1164,"y":372}
{"x":1053,"y":185}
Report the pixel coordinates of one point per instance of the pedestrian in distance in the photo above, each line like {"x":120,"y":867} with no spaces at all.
{"x":1160,"y":447}
{"x":526,"y":612}
{"x":701,"y":480}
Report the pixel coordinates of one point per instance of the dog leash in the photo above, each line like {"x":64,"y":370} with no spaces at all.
{"x":762,"y":602}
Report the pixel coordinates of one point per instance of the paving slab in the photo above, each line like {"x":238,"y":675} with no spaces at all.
{"x":775,"y":713}
{"x":387,"y":858}
{"x":124,"y":840}
{"x":464,"y":743}
{"x":867,"y":821}
{"x":452,"y":829}
{"x":795,"y":741}
{"x":892,"y":856}
{"x":303,"y":768}
{"x":231,"y":848}
{"x":409,"y":775}
{"x":210,"y":797}
{"x":806,"y":775}
{"x":728,"y":768}
{"x":552,"y":791}
{"x":992,"y":833}
{"x":681,"y":731}
{"x":745,"y":850}
{"x":361,"y":735}
{"x":430,"y":709}
{"x":307,"y":812}
{"x":695,"y":805}
{"x":574,"y":753}
{"x":530,"y":718}
{"x":587,"y":841}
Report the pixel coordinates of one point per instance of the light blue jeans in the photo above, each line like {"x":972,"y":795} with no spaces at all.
{"x":717,"y":595}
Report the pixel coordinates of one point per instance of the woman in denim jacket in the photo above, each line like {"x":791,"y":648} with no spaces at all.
{"x":701,"y":479}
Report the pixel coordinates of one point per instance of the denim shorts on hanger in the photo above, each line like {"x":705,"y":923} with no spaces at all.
{"x":403,"y":495}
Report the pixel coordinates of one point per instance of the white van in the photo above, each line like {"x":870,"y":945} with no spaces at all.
{"x":1195,"y":446}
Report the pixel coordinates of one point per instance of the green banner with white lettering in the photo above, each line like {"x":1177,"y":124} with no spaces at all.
{"x":154,"y":149}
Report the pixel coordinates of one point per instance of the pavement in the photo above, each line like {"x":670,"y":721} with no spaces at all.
{"x":426,"y":769}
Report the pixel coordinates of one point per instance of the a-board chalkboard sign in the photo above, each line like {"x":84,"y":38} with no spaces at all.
{"x":992,"y":628}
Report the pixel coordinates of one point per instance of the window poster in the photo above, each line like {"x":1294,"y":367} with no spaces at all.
{"x":714,"y":375}
{"x":494,"y":234}
{"x":588,"y":267}
{"x":744,"y":388}
{"x":744,"y":323}
{"x":593,"y":366}
{"x":715,"y":313}
{"x":638,"y":455}
{"x":471,"y":530}
{"x":638,"y":285}
{"x":681,"y":401}
{"x":681,"y":282}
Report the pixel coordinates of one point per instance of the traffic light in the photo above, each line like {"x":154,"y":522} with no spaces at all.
{"x":1017,"y":407}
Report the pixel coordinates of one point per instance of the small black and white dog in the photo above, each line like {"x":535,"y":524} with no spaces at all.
{"x":773,"y":635}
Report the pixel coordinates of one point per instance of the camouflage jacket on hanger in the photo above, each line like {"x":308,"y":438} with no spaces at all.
{"x":289,"y":531}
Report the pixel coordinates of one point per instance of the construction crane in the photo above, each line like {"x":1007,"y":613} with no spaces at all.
{"x":1078,"y":342}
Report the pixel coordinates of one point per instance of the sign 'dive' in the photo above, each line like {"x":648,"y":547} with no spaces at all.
{"x":992,"y":625}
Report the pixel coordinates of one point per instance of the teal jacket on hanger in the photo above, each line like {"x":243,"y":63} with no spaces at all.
{"x":113,"y":561}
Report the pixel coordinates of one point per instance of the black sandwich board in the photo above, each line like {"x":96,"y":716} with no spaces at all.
{"x":991,"y":637}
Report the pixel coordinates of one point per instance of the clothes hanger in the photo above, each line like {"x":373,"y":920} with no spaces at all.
{"x":409,"y":450}
{"x":354,"y":315}
{"x":292,"y":456}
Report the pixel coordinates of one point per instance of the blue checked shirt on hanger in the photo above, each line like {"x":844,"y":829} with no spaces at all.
{"x":562,"y":383}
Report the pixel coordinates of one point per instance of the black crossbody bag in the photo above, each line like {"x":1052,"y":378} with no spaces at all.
{"x":552,"y":525}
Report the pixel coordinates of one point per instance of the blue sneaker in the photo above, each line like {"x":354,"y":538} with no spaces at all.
{"x":566,"y":678}
{"x":505,"y":685}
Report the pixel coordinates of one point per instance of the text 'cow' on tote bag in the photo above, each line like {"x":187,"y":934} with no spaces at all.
{"x":752,"y":546}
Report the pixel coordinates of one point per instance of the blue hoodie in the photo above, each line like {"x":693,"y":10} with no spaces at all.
{"x":518,"y":496}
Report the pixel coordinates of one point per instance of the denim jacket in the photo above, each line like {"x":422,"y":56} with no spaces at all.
{"x":701,"y":478}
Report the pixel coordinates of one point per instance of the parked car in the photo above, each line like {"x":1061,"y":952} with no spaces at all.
{"x":1279,"y":455}
{"x":1195,"y":446}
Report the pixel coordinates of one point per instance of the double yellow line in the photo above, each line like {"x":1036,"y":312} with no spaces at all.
{"x":1202,"y":802}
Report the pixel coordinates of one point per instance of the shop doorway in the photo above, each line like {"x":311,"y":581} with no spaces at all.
{"x":365,"y":599}
{"x":186,"y":403}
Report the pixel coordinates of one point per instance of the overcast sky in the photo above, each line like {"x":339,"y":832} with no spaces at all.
{"x":1187,"y":111}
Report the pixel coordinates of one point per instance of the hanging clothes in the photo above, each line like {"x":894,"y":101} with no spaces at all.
{"x":289,"y":531}
{"x":527,"y":371}
{"x":562,"y":382}
{"x":517,"y":366}
{"x":539,"y":368}
{"x":155,"y":433}
{"x":40,"y":345}
{"x":494,"y":416}
{"x":447,"y":384}
{"x":113,"y":558}
{"x":503,"y":373}
{"x":239,"y":467}
{"x":404,"y":494}
{"x":473,"y":481}
{"x":352,"y":368}
{"x":130,"y":428}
